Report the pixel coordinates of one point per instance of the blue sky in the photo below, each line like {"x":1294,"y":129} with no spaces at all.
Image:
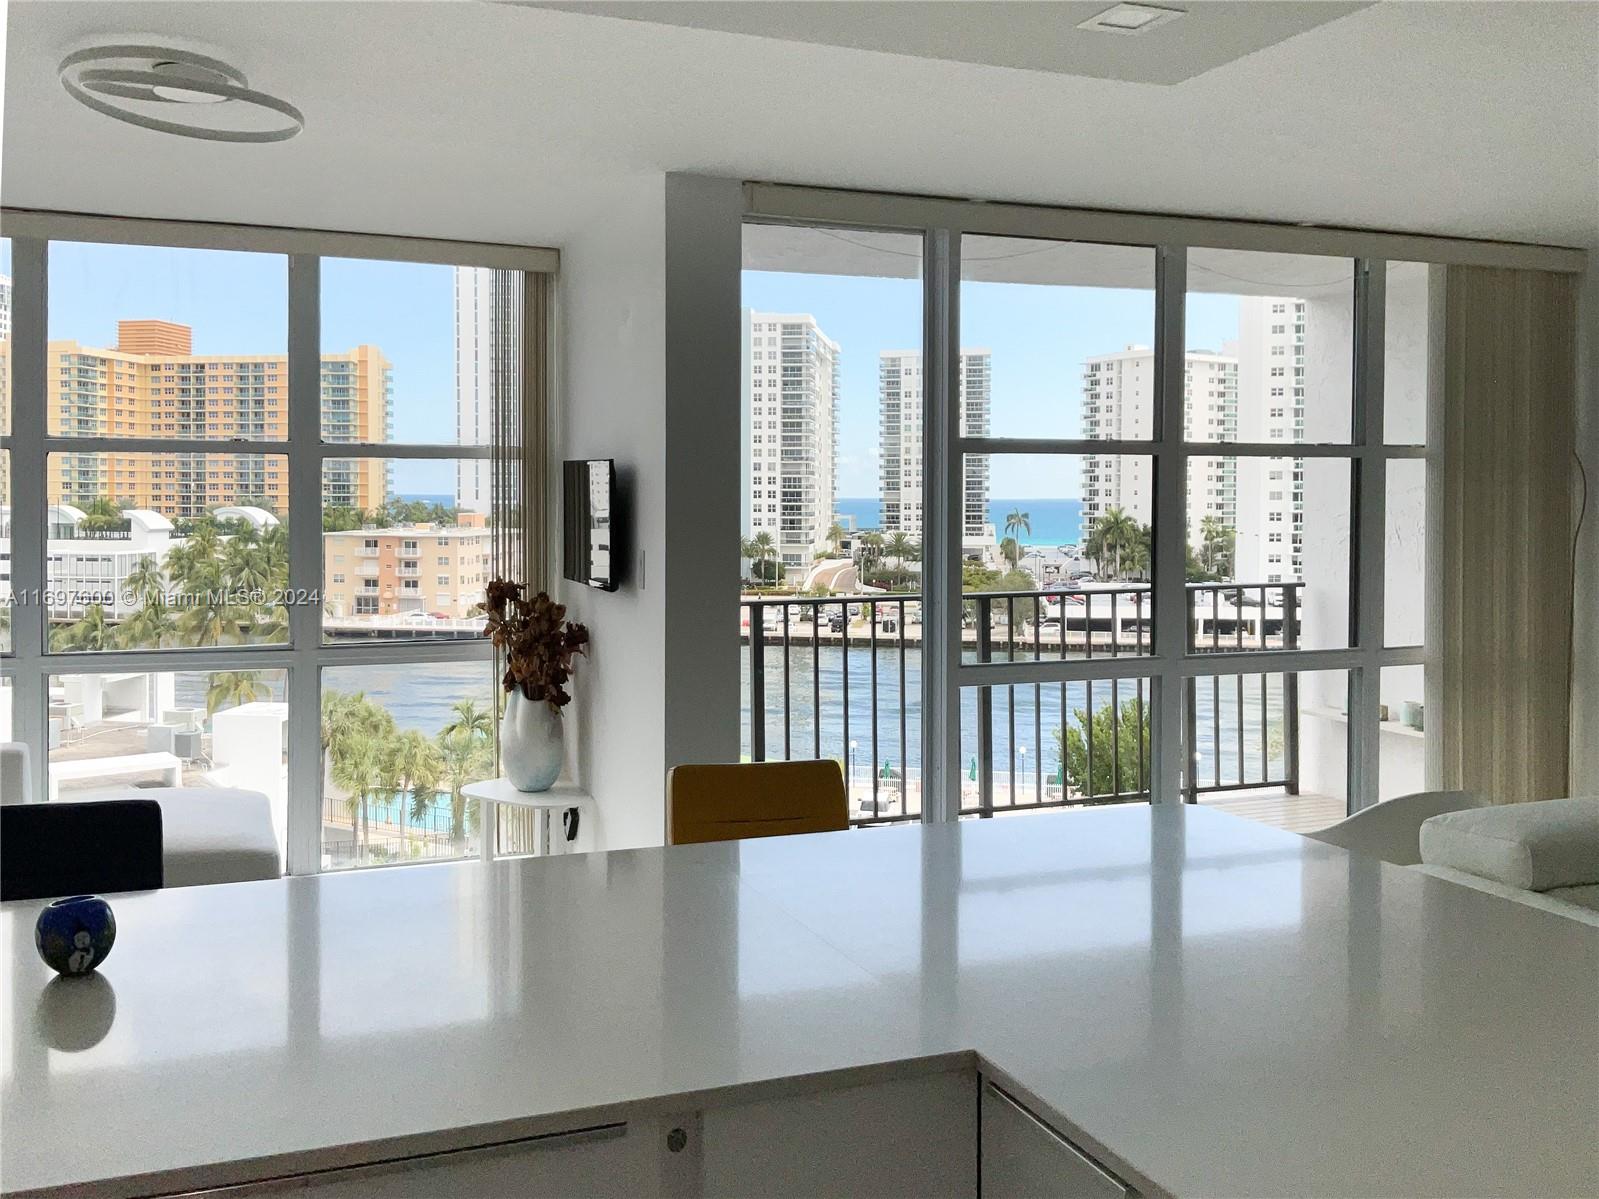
{"x":1039,"y":337}
{"x":237,"y":303}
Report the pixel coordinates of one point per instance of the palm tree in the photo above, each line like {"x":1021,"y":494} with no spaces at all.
{"x":229,"y":688}
{"x":1215,"y":545}
{"x":103,"y":514}
{"x":468,"y":716}
{"x":871,"y":549}
{"x":765,"y":551}
{"x":342,"y":719}
{"x":1018,"y":522}
{"x":1010,"y":549}
{"x":835,"y":535}
{"x":90,"y":633}
{"x":899,"y":547}
{"x":1117,"y":534}
{"x":466,"y":759}
{"x":417,"y":766}
{"x":356,"y":771}
{"x":145,"y":582}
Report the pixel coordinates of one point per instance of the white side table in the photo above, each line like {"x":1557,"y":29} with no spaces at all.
{"x":568,"y":800}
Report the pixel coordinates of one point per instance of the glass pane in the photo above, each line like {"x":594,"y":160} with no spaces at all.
{"x":152,"y":341}
{"x":149,"y":551}
{"x":1270,"y":347}
{"x":1039,"y":745}
{"x":1271,"y":747}
{"x":410,"y":565}
{"x":842,"y":679}
{"x":1401,"y":740}
{"x":112,"y":734}
{"x":1279,"y":529}
{"x":5,"y":551}
{"x":831,"y":407}
{"x":1405,"y":577}
{"x":415,"y":352}
{"x":5,"y":343}
{"x":1060,"y":336}
{"x":1059,"y":564}
{"x":1405,"y":338}
{"x":400,"y":741}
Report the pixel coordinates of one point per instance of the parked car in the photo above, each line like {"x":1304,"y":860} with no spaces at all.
{"x":835,"y":622}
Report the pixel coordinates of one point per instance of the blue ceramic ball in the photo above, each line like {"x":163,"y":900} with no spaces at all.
{"x":74,"y":935}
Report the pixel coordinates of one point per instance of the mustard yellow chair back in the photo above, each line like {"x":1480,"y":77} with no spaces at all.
{"x":753,"y":799}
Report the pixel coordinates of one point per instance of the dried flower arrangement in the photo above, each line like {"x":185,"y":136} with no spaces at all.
{"x":538,"y":641}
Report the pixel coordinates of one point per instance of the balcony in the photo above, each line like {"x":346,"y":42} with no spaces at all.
{"x":841,"y":677}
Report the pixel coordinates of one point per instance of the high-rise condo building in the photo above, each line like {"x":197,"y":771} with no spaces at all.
{"x":1119,"y":405}
{"x":900,"y":404}
{"x":152,"y":385}
{"x":1270,"y":526}
{"x":790,"y":418}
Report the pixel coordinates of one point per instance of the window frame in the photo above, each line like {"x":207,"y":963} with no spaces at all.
{"x":28,"y":664}
{"x":1171,"y":664}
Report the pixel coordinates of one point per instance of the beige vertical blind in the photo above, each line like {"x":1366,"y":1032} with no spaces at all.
{"x":1506,"y":362}
{"x":518,"y":453}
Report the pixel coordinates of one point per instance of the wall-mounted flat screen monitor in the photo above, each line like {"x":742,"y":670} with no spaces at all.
{"x":589,"y":523}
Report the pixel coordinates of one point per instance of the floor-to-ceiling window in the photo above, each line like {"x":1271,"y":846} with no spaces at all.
{"x":256,"y":521}
{"x":1181,"y":550}
{"x":831,"y":494}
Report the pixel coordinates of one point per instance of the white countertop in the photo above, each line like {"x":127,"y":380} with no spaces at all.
{"x":1227,"y":1009}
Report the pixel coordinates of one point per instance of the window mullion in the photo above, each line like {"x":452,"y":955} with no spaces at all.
{"x":942,"y":513}
{"x":304,"y":838}
{"x":1171,"y":524}
{"x":1369,"y":527}
{"x":29,"y":474}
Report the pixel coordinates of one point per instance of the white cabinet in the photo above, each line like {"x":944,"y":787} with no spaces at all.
{"x":614,"y":1161}
{"x":910,"y":1137}
{"x":1023,"y":1158}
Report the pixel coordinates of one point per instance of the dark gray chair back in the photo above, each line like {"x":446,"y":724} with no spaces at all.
{"x":48,"y":850}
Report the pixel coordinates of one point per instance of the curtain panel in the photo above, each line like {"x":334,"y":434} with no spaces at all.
{"x":1504,"y":354}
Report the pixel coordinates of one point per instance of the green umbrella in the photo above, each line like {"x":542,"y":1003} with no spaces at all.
{"x":971,"y":773}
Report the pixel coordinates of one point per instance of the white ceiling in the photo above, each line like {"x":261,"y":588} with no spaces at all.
{"x":1026,"y":34}
{"x":497,"y":122}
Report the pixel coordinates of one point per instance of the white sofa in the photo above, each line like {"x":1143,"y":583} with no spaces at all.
{"x":208,"y":834}
{"x":1544,"y":854}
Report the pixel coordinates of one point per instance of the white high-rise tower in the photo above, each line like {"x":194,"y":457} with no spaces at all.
{"x":900,"y":404}
{"x":1119,"y":405}
{"x":790,"y":418}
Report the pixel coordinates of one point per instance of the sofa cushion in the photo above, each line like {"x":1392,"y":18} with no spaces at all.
{"x":1534,"y":846}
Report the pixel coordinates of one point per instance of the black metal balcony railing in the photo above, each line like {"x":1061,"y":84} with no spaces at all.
{"x":847,"y":684}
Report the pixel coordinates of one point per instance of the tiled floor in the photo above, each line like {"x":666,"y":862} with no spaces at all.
{"x":1294,"y":813}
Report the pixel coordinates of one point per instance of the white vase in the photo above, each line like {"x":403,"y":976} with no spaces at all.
{"x":530,"y":743}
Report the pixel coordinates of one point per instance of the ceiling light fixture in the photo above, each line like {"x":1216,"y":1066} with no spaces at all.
{"x":1131,"y":18}
{"x":148,"y":86}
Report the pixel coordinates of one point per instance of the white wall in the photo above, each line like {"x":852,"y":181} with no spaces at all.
{"x":611,"y":404}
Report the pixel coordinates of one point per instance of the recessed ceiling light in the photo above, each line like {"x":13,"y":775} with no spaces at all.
{"x":149,"y":86}
{"x":1131,"y":18}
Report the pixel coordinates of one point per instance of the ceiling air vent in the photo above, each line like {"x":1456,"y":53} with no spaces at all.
{"x":1131,"y":18}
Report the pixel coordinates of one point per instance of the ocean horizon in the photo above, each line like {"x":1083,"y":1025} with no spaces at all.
{"x":1054,"y":522}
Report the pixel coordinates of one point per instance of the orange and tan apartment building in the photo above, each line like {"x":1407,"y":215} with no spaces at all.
{"x":152,"y":385}
{"x":413,"y":568}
